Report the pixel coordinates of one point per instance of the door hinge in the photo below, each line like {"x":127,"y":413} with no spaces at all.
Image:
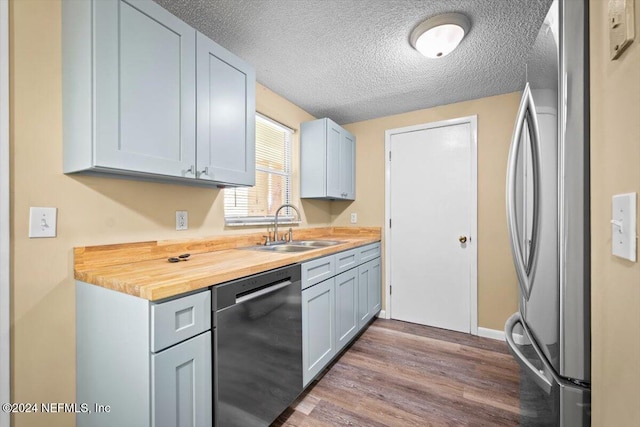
{"x":389,"y":155}
{"x":390,"y":289}
{"x":389,"y":222}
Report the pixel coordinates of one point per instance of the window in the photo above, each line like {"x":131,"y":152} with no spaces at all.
{"x":257,"y":205}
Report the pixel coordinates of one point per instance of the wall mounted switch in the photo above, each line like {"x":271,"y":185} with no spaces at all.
{"x":621,"y":26}
{"x":623,"y":226}
{"x":182,"y":220}
{"x":354,"y":218}
{"x":42,"y":222}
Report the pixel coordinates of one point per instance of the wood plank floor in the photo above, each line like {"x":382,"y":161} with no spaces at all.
{"x":402,"y":374}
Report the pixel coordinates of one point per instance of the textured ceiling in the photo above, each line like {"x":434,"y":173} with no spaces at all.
{"x":350,"y":60}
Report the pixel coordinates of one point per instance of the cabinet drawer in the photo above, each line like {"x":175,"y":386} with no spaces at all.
{"x":176,"y":320}
{"x":347,"y":260}
{"x":369,"y":252}
{"x":317,"y":270}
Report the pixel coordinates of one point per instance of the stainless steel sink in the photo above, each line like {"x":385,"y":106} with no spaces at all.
{"x":295,"y":246}
{"x":316,"y":243}
{"x":281,"y":248}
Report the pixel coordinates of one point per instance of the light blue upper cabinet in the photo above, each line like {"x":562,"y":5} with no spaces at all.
{"x":327,"y":161}
{"x":348,"y":164}
{"x":333,"y":170}
{"x":226,"y":115}
{"x":130,"y":99}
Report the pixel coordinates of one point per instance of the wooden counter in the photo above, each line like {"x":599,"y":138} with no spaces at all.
{"x":141,"y":269}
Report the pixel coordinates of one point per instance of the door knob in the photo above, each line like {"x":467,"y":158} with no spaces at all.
{"x":462,"y":239}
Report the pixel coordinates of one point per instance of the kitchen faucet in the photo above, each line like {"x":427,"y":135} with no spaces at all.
{"x":275,"y":231}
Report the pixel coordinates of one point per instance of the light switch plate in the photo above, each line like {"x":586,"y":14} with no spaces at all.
{"x":621,"y":26}
{"x":623,"y":226}
{"x":42,"y":222}
{"x":354,"y":218}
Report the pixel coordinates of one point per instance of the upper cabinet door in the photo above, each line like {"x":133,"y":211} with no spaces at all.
{"x":334,"y":152}
{"x":144,"y":89}
{"x":347,"y":165}
{"x":226,"y":115}
{"x":327,"y":161}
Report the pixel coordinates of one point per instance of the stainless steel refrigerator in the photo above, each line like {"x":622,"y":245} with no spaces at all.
{"x":548,"y":220}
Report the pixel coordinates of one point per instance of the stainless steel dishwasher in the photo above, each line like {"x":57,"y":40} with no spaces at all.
{"x":257,"y":341}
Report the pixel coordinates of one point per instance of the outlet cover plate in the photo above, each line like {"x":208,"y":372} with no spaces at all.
{"x":182,"y":220}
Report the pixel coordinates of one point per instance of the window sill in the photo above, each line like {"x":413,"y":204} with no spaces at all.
{"x":250,"y":222}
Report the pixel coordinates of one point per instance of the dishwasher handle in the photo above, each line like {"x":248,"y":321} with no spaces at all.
{"x":231,"y":293}
{"x":261,"y":291}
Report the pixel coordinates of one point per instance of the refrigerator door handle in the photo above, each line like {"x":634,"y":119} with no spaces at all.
{"x":538,"y":375}
{"x":524,"y":270}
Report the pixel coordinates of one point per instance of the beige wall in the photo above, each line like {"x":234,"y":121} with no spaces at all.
{"x":94,"y":210}
{"x":615,"y":169}
{"x":91,"y":211}
{"x":497,"y":291}
{"x":99,"y":211}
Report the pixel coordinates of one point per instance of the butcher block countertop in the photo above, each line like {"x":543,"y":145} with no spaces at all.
{"x":142,"y":269}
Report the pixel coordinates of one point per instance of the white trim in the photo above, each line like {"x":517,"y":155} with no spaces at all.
{"x":274,"y":122}
{"x":382,"y":315}
{"x":499,"y":335}
{"x":491,"y":333}
{"x":473,"y":238}
{"x":5,"y":255}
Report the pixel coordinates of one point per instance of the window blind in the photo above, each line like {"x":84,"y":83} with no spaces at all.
{"x":258,"y":204}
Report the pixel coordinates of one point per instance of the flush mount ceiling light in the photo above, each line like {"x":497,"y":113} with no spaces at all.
{"x":440,"y":35}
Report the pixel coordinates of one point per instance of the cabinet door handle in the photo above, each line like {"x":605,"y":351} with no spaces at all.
{"x":191,"y":170}
{"x":205,"y":171}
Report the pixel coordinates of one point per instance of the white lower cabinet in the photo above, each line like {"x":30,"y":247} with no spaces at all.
{"x":375,"y":285}
{"x":181,"y":384}
{"x":140,"y":363}
{"x":336,"y":309}
{"x":318,"y":328}
{"x":346,"y":307}
{"x":364,"y":311}
{"x":369,"y":298}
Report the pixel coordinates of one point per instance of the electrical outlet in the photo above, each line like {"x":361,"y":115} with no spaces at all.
{"x":182,"y":220}
{"x":354,"y":218}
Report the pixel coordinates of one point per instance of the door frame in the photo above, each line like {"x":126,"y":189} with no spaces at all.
{"x":5,"y":256}
{"x":473,"y":229}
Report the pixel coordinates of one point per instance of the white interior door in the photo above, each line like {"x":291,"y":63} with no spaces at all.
{"x":432,"y":238}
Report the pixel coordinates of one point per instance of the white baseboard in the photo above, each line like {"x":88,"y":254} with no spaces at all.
{"x":482,"y":332}
{"x":499,"y":335}
{"x":490,"y":333}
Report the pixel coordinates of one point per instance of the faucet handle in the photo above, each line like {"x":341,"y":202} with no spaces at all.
{"x":267,"y":239}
